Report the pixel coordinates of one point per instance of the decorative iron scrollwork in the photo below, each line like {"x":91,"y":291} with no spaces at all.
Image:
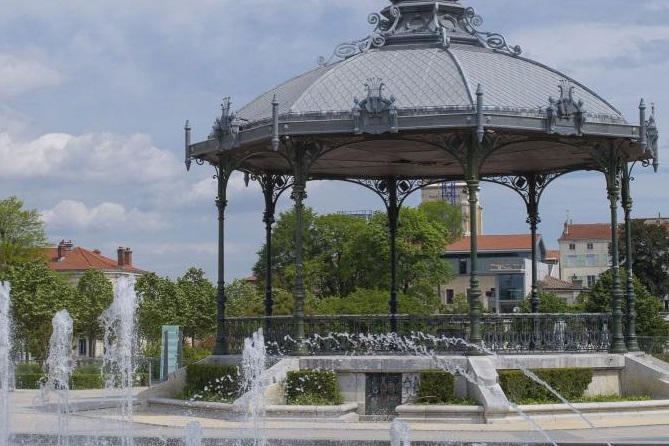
{"x":374,"y":114}
{"x":495,"y":41}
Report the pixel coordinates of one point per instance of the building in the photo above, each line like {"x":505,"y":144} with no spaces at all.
{"x":73,"y":261}
{"x":504,"y":269}
{"x":584,"y":252}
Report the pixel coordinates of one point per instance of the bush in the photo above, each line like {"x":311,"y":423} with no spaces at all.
{"x":29,"y":380}
{"x":211,"y":382}
{"x":81,"y":381}
{"x":436,"y":387}
{"x":312,"y":387}
{"x":571,"y":383}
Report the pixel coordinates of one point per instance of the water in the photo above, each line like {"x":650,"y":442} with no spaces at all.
{"x":193,"y":434}
{"x":59,"y":370}
{"x":120,"y":346}
{"x":6,"y":365}
{"x":253,"y":365}
{"x":399,"y":434}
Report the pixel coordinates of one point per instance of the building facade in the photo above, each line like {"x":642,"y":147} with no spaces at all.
{"x":456,"y":194}
{"x":504,"y":268}
{"x":585,"y":252}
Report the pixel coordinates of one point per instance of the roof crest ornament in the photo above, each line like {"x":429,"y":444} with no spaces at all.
{"x":377,"y":38}
{"x":561,"y":112}
{"x":439,"y":23}
{"x":227,"y":125}
{"x":495,"y":41}
{"x":374,"y":114}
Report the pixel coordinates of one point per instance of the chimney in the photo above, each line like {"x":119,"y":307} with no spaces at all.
{"x":128,"y":257}
{"x":121,"y":256}
{"x":64,"y":248}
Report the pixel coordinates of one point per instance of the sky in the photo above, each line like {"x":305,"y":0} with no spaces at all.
{"x":94,"y":96}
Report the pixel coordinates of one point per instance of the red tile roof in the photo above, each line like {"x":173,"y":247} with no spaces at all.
{"x":505,"y":242}
{"x":594,"y":231}
{"x":551,"y":283}
{"x":553,"y":254}
{"x":81,"y":259}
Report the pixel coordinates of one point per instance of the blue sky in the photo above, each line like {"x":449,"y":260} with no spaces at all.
{"x":94,"y":96}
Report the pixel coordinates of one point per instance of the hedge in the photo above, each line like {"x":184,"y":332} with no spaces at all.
{"x":436,"y":387}
{"x":211,"y":382}
{"x":571,"y":383}
{"x":312,"y":387}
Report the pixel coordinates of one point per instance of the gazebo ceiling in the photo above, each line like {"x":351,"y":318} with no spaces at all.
{"x":409,"y":98}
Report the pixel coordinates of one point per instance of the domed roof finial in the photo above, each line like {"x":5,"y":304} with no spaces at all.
{"x":437,"y":23}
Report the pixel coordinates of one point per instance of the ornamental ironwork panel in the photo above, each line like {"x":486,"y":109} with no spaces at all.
{"x":383,"y":393}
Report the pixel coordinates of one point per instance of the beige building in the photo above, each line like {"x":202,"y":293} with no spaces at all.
{"x":584,"y":252}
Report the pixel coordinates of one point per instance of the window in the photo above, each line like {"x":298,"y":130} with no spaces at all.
{"x":591,"y":259}
{"x":462,"y":266}
{"x":591,"y":281}
{"x":590,"y":246}
{"x":572,"y":246}
{"x":571,"y":261}
{"x":450,"y":295}
{"x":83,"y":347}
{"x":511,"y":287}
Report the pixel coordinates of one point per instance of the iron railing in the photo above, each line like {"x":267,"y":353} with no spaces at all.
{"x":362,"y":334}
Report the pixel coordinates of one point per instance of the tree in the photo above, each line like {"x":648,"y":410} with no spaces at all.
{"x":364,"y":301}
{"x":157,"y":307}
{"x":649,"y":322}
{"x":94,"y":294}
{"x":22,"y":234}
{"x":37,"y":294}
{"x":448,"y":218}
{"x":196,"y":304}
{"x":650,"y":255}
{"x":548,"y":303}
{"x":242,"y":299}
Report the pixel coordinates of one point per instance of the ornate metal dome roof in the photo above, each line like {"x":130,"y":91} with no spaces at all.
{"x":426,"y":74}
{"x":430,"y":57}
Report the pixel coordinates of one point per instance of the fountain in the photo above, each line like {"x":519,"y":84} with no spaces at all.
{"x":5,"y":361}
{"x":59,"y":371}
{"x":120,"y":345}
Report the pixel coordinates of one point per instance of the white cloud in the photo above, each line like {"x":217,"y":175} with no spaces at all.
{"x":75,"y":214}
{"x":18,"y":75}
{"x":658,"y":5}
{"x":99,"y":157}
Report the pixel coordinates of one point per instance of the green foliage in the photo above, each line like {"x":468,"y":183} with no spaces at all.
{"x":447,"y":218}
{"x":94,"y":294}
{"x":312,"y":387}
{"x":242,"y":299}
{"x":460,"y":305}
{"x":157,"y":306}
{"x":649,"y":321}
{"x":194,"y":354}
{"x":436,"y":387}
{"x":29,"y":380}
{"x":571,"y":383}
{"x":22,"y":235}
{"x":37,"y":294}
{"x":548,"y":303}
{"x":650,"y":244}
{"x":365,"y":301}
{"x":196,"y":304}
{"x":81,"y":381}
{"x":343,"y":254}
{"x":211,"y":382}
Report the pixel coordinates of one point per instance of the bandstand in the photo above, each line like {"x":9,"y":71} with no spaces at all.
{"x":427,"y":97}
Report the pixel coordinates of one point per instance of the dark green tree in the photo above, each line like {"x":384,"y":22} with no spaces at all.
{"x":22,"y":235}
{"x":242,"y":299}
{"x":37,"y":294}
{"x":447,"y":218}
{"x":94,"y":294}
{"x":548,"y":303}
{"x":196,"y":305}
{"x":157,"y":306}
{"x":649,"y":321}
{"x":650,"y":254}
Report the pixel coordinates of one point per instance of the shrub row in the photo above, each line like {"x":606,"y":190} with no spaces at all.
{"x":436,"y":387}
{"x":211,"y":382}
{"x":312,"y":387}
{"x":571,"y":383}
